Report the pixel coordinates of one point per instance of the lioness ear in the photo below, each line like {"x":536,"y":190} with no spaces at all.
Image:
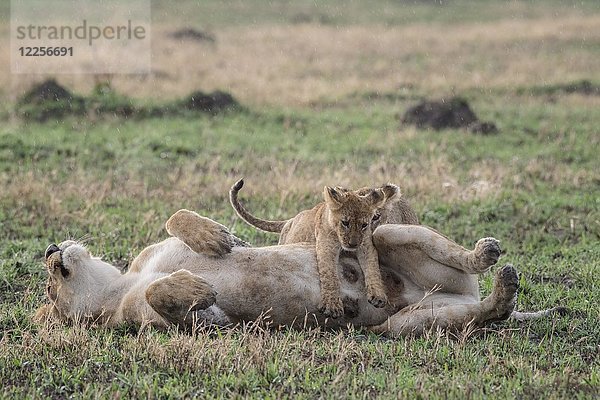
{"x":333,"y":196}
{"x":390,"y":191}
{"x":376,"y":197}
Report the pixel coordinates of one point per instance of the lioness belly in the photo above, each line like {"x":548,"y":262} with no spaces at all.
{"x":277,"y":283}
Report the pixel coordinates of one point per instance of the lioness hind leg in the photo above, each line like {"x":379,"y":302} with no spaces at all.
{"x":201,"y":234}
{"x":176,"y":295}
{"x":390,"y":239}
{"x":497,"y":306}
{"x":501,"y":302}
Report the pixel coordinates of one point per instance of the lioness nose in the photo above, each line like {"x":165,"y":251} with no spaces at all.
{"x":51,"y":250}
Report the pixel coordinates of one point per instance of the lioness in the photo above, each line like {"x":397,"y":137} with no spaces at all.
{"x":205,"y":275}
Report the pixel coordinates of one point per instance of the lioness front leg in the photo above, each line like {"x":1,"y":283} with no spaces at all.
{"x":176,"y":295}
{"x":328,"y":251}
{"x":389,"y":240}
{"x":201,"y":234}
{"x":369,"y":263}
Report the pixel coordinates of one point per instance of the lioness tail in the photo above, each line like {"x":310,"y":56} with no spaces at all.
{"x":527,"y":316}
{"x":268,"y":226}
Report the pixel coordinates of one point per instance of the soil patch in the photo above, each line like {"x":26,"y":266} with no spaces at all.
{"x":49,"y":100}
{"x":192,"y":34}
{"x":583,"y":87}
{"x":454,"y":112}
{"x":211,"y":102}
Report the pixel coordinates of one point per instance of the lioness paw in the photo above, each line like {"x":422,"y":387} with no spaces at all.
{"x":201,"y":234}
{"x":507,"y":281}
{"x":504,"y":292}
{"x":175,"y":295}
{"x":487,"y":252}
{"x":333,"y":308}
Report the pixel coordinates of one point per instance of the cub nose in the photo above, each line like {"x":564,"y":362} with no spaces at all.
{"x":352,"y":244}
{"x":51,"y":250}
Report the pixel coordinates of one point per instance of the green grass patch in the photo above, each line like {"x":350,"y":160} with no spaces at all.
{"x":115,"y":182}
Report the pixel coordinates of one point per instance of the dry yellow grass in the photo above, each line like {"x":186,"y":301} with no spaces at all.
{"x":299,"y":64}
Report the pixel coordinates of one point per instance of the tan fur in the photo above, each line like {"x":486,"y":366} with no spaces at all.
{"x":343,"y":221}
{"x":324,"y":225}
{"x":208,"y":237}
{"x":395,"y":210}
{"x":426,"y":279}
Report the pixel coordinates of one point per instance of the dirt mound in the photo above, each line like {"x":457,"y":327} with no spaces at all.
{"x":48,"y":90}
{"x":212,"y":102}
{"x":192,"y":34}
{"x":446,"y":114}
{"x":583,"y":87}
{"x":49,"y":100}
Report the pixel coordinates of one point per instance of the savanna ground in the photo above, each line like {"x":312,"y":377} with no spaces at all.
{"x":322,"y":89}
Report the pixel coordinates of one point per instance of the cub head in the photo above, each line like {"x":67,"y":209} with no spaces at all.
{"x":351,"y":213}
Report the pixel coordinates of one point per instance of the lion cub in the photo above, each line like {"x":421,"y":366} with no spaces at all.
{"x":342,"y":222}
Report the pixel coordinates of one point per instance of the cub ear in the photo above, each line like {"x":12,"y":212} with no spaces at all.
{"x":334,"y":197}
{"x":376,"y":197}
{"x":390,"y":191}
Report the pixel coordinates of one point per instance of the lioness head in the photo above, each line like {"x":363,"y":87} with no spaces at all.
{"x":351,"y":213}
{"x":74,"y":279}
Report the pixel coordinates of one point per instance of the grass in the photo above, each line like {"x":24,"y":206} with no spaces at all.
{"x":264,"y":58}
{"x":311,"y":120}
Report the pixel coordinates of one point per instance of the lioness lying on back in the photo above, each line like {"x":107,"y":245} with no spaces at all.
{"x":205,"y":275}
{"x":341,"y":222}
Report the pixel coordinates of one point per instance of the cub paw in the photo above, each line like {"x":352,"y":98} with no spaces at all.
{"x":377,"y":298}
{"x":487,"y":252}
{"x":378,"y":301}
{"x":333,"y":308}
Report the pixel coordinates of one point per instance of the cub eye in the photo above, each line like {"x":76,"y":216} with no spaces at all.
{"x":364,"y":226}
{"x":345,"y":223}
